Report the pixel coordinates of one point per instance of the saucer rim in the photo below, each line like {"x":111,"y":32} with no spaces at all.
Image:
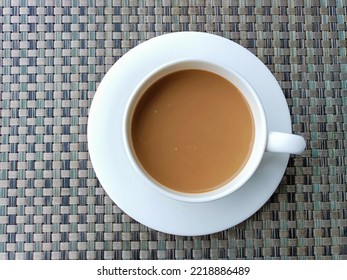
{"x":171,"y":209}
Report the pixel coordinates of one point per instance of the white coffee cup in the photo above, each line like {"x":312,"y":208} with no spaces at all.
{"x":264,"y":140}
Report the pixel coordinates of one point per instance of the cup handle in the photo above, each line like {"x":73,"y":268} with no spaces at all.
{"x":280,"y":142}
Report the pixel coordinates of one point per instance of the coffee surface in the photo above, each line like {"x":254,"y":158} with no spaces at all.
{"x":192,"y":131}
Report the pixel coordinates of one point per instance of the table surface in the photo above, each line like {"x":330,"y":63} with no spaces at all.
{"x":55,"y":53}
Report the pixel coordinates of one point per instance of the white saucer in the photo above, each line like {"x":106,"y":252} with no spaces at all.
{"x":116,"y":173}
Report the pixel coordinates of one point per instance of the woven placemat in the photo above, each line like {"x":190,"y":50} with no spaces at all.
{"x":55,"y":53}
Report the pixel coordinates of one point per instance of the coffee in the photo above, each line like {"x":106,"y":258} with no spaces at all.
{"x":192,"y":131}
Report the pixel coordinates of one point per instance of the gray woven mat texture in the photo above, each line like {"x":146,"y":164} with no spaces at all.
{"x":55,"y":53}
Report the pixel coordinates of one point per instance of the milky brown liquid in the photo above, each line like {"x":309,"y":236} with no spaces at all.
{"x":192,"y":131}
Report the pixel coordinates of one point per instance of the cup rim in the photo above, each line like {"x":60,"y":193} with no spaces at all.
{"x":260,"y":132}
